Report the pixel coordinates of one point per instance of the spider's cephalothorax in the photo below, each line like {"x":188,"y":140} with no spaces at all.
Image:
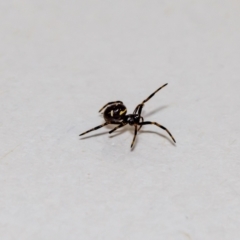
{"x":132,"y":119}
{"x":115,"y":113}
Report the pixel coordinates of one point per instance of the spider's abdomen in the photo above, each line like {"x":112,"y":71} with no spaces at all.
{"x":115,"y":113}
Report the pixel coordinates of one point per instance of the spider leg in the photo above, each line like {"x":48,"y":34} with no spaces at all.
{"x":139,"y":107}
{"x":109,"y":104}
{"x":157,"y":124}
{"x":119,"y":126}
{"x":136,"y":109}
{"x":142,"y":121}
{"x":93,"y":129}
{"x":135,"y":134}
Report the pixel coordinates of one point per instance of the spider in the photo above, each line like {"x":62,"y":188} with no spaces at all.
{"x":115,"y":113}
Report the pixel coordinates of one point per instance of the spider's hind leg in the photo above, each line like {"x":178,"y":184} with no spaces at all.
{"x":93,"y":129}
{"x":119,"y":126}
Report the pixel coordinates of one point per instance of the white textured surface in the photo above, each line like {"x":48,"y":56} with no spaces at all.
{"x":60,"y":61}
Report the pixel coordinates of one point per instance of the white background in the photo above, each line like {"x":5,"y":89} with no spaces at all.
{"x":61,"y":61}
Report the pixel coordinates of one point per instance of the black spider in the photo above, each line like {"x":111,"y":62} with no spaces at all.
{"x":115,"y":113}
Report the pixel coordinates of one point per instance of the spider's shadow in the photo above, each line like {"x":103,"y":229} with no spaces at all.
{"x":154,"y":111}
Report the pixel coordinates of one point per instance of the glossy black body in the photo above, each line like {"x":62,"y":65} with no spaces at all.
{"x":132,"y":119}
{"x":115,"y":113}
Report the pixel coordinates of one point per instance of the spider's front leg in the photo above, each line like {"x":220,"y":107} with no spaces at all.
{"x":158,"y":125}
{"x":141,"y":118}
{"x":138,"y":109}
{"x":135,"y":134}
